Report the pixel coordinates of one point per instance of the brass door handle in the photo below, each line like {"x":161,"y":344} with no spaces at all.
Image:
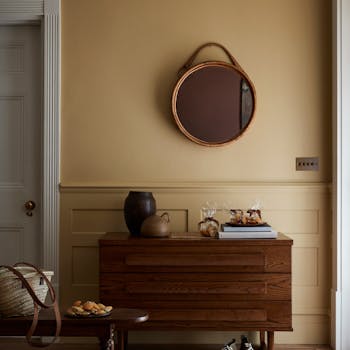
{"x":29,"y":205}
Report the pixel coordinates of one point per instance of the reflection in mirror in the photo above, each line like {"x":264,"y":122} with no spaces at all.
{"x":213,"y":103}
{"x":246,"y":103}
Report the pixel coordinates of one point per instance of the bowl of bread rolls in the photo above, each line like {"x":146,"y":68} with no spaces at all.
{"x":88,"y":309}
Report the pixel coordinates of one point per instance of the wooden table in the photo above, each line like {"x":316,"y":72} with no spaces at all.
{"x":104,"y":328}
{"x":189,"y":282}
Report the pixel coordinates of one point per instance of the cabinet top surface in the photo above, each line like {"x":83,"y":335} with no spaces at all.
{"x":187,"y":238}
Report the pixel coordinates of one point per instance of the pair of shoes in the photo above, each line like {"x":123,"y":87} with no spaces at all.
{"x":245,"y":345}
{"x":230,"y":345}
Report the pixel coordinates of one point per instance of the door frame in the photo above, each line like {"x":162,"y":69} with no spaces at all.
{"x":47,"y":14}
{"x":341,"y":175}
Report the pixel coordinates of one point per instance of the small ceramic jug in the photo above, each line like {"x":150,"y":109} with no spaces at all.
{"x":156,"y":226}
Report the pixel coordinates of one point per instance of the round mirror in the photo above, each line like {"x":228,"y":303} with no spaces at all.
{"x":213,"y":103}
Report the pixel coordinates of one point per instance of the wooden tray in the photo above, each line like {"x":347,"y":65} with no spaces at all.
{"x":89,"y":316}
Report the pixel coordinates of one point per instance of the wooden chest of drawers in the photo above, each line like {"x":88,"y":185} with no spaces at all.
{"x":190,"y":282}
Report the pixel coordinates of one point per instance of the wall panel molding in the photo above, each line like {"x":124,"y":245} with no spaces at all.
{"x":302,"y":210}
{"x":323,"y":187}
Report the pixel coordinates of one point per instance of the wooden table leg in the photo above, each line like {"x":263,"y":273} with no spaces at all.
{"x":108,"y":343}
{"x":122,"y":340}
{"x":270,"y":340}
{"x":126,"y":341}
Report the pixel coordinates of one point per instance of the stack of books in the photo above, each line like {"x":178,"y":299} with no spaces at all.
{"x":245,"y":231}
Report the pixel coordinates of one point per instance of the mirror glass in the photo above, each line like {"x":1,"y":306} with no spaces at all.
{"x":213,"y":103}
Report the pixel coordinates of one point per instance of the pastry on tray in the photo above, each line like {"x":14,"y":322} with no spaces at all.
{"x":88,"y":309}
{"x":251,"y":217}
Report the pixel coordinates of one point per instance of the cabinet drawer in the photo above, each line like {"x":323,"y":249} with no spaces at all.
{"x":234,"y":315}
{"x":196,"y":286}
{"x":195,"y":259}
{"x":187,"y":282}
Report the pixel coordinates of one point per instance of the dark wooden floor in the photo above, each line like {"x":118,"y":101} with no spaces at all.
{"x":21,"y":345}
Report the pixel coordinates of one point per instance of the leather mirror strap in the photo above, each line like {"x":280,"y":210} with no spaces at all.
{"x":189,"y":62}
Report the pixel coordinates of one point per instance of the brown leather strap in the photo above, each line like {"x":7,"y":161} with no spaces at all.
{"x":37,"y":302}
{"x":48,"y":283}
{"x":33,"y":325}
{"x":189,"y":62}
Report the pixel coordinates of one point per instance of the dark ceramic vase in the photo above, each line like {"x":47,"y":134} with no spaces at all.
{"x":137,"y":207}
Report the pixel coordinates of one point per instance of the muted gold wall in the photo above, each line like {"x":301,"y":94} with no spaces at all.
{"x":119,"y":64}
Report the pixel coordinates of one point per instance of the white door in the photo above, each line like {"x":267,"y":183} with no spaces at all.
{"x":20,"y":144}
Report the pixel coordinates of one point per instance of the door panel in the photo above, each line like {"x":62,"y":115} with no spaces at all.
{"x":20,"y":143}
{"x":11,"y":141}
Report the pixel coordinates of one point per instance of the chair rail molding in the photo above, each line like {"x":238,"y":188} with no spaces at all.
{"x":46,"y":13}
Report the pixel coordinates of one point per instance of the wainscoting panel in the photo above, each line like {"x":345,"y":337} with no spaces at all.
{"x":97,"y":220}
{"x":302,"y":211}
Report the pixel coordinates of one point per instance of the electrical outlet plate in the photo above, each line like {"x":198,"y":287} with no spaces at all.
{"x":306,"y":163}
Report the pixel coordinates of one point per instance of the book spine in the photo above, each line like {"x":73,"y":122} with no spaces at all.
{"x":252,"y":234}
{"x":246,"y":229}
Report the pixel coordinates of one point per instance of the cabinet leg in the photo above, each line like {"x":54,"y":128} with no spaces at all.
{"x":262,"y":341}
{"x":270,"y":340}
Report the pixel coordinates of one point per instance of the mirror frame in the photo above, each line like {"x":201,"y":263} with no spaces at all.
{"x":194,"y":69}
